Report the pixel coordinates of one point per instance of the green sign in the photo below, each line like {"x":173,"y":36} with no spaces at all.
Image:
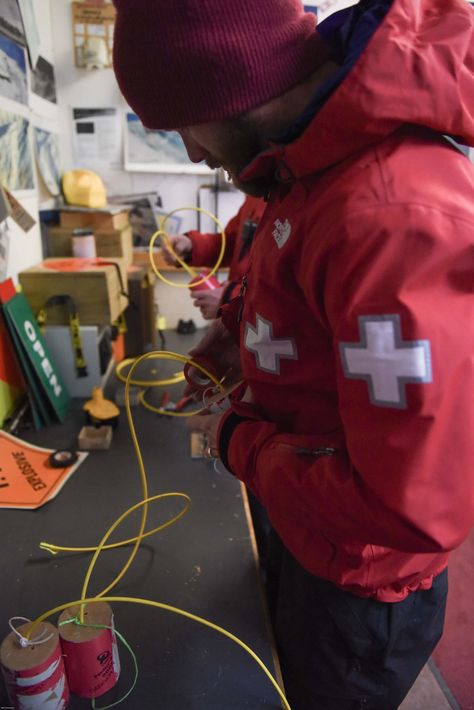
{"x":48,"y":389}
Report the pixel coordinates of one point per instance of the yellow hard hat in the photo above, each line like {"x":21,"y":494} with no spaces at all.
{"x":84,"y":188}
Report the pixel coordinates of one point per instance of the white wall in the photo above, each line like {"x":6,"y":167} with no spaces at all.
{"x":25,"y":248}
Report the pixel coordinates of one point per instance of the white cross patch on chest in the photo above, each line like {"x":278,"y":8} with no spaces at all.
{"x":385,"y":361}
{"x":281,"y":233}
{"x":268,"y":350}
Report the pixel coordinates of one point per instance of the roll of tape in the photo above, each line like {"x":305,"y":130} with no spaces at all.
{"x":62,"y":458}
{"x":195,"y":377}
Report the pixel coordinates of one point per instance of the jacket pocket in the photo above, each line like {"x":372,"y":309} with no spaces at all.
{"x":286,"y":482}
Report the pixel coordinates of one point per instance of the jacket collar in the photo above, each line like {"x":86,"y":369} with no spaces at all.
{"x":414,"y":69}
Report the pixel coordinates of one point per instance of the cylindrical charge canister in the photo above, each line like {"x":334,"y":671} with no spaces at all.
{"x":34,"y":675}
{"x":90,"y":654}
{"x":210,"y":282}
{"x":195,"y":377}
{"x":83,"y":244}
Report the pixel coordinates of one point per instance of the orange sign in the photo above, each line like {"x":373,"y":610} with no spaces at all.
{"x":71,"y":264}
{"x":26,"y":478}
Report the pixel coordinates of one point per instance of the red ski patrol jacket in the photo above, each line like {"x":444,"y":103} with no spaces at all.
{"x":239,"y":233}
{"x":357,"y":326}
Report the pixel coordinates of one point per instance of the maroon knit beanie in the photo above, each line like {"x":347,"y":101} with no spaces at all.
{"x":184,"y":62}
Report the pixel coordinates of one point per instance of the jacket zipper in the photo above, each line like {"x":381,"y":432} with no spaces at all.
{"x":243,"y":288}
{"x":318,"y":453}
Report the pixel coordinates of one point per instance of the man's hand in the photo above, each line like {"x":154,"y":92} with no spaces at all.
{"x":207,"y":424}
{"x":208,"y":301}
{"x":220,"y":348}
{"x":181,"y":245}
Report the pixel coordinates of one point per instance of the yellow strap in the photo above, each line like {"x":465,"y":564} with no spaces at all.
{"x":121,"y":324}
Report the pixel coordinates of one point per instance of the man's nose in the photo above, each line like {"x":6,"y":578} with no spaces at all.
{"x":195,"y":151}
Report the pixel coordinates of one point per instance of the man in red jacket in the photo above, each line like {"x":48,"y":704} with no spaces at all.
{"x":355,"y":326}
{"x":203,"y":250}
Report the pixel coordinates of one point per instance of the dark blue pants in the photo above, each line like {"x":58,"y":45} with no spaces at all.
{"x":261,"y":526}
{"x":342,"y":652}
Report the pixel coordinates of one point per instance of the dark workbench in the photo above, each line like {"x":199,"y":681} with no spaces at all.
{"x":204,"y":564}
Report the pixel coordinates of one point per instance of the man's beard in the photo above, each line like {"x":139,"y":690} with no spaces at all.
{"x":243,"y":146}
{"x":256,"y":187}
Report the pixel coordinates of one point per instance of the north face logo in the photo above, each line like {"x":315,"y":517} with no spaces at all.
{"x":281,"y":233}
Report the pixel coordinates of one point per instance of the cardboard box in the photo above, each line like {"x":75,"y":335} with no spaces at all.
{"x":115,"y":243}
{"x":91,"y":438}
{"x":96,"y":290}
{"x":113,"y":217}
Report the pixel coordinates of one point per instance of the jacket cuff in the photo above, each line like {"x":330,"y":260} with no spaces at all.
{"x":231,"y":291}
{"x":230,"y":422}
{"x":204,"y":248}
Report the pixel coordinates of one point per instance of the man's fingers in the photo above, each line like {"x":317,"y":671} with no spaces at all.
{"x":198,"y":423}
{"x":206,"y":423}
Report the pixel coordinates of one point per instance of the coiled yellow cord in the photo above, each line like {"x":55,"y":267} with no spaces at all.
{"x":129,"y":380}
{"x":161,"y":233}
{"x":173,"y":380}
{"x":54,"y":549}
{"x":144,"y":502}
{"x":176,"y":378}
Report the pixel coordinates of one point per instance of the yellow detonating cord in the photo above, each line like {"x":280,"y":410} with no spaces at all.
{"x":173,"y":380}
{"x":103,"y":545}
{"x":181,"y":612}
{"x":161,"y":234}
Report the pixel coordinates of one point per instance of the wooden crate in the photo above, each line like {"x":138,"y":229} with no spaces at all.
{"x":97,"y":219}
{"x":115,"y":243}
{"x":96,"y":290}
{"x":140,"y":315}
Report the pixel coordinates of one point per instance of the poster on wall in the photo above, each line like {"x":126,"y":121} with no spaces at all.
{"x":142,"y":215}
{"x":10,"y":21}
{"x":171,"y":223}
{"x":93,"y":31}
{"x":4,"y":206}
{"x":31,"y":30}
{"x":47,"y":159}
{"x":96,"y":136}
{"x":43,"y":82}
{"x":13,"y":81}
{"x":156,"y":151}
{"x":16,"y":162}
{"x":4,"y":250}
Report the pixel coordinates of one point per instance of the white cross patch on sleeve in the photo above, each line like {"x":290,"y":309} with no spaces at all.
{"x":267,"y":349}
{"x":385,"y":361}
